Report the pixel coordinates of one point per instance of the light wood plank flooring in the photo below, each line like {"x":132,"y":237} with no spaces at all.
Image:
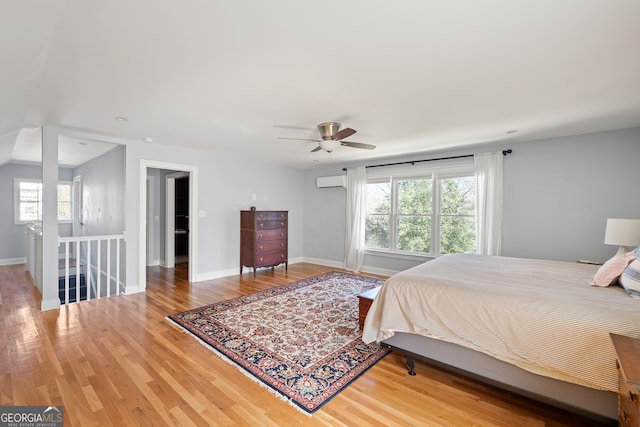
{"x":118,"y":361}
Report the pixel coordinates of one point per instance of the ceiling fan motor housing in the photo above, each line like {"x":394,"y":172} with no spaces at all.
{"x":328,"y":129}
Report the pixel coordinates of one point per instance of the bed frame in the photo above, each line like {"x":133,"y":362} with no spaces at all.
{"x":597,"y":404}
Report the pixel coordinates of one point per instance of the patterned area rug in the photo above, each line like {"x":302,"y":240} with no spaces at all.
{"x":301,"y":340}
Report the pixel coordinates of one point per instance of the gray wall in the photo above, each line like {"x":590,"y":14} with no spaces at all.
{"x":103,"y":184}
{"x":12,"y":238}
{"x":226,"y":186}
{"x":558,"y":194}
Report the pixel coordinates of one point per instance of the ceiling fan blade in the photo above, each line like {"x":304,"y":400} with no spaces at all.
{"x":344,"y":133}
{"x":300,"y":139}
{"x":358,"y":145}
{"x":318,"y":148}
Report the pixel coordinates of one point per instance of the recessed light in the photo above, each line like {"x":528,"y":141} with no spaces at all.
{"x":512,"y":131}
{"x":147,"y":139}
{"x":121,"y":119}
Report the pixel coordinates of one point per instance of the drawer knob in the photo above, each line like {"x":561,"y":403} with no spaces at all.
{"x":281,"y":234}
{"x":261,"y":224}
{"x":282,"y":256}
{"x":632,"y":397}
{"x":260,"y":235}
{"x":624,"y":417}
{"x":261,"y":247}
{"x":282,"y":245}
{"x":282,"y":224}
{"x":261,"y":259}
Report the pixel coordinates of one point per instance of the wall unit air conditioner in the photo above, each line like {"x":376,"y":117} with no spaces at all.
{"x":331,"y":181}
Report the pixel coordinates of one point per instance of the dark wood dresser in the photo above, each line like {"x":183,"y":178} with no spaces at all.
{"x":263,"y":239}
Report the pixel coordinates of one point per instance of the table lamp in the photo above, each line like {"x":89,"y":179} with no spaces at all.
{"x":622,"y":232}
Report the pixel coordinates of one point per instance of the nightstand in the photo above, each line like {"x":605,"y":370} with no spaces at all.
{"x":365,"y":300}
{"x":628,"y":352}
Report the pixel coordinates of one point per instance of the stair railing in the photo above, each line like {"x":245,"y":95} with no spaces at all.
{"x":92,"y":264}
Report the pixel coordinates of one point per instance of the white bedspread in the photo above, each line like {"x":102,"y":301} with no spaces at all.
{"x":539,"y":315}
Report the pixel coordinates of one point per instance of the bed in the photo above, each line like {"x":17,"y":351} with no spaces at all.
{"x":531,"y":326}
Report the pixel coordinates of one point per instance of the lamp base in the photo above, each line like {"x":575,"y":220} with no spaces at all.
{"x":624,"y":249}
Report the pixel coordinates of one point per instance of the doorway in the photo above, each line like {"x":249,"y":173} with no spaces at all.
{"x":178,"y":218}
{"x":191,"y":185}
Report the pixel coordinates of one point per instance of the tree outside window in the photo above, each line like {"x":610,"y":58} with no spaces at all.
{"x":415,"y":209}
{"x":428,"y":215}
{"x":458,"y":215}
{"x":378,"y":218}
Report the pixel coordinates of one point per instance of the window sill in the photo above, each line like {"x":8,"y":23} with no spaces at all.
{"x":39,"y":223}
{"x":386,"y":254}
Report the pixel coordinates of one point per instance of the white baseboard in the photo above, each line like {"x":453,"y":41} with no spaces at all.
{"x":13,"y":261}
{"x":378,"y":271}
{"x":340,"y":265}
{"x":216,"y":274}
{"x":326,"y":262}
{"x":233,"y":271}
{"x":129,"y":289}
{"x":50,"y":304}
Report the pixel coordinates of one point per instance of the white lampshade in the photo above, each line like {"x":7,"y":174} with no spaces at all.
{"x":622,"y":232}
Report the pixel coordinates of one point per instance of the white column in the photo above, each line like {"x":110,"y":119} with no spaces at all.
{"x":50,"y":300}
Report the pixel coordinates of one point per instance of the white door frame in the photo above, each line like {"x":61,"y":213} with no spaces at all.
{"x":170,"y":223}
{"x":193,"y":216}
{"x":151,"y":223}
{"x":77,"y":227}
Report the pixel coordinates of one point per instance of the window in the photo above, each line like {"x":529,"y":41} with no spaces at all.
{"x":427,"y":213}
{"x":28,"y":201}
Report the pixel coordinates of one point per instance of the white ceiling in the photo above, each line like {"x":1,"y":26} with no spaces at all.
{"x":26,"y":148}
{"x":411,"y":76}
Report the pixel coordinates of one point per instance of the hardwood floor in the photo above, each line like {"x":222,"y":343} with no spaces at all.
{"x":118,"y":361}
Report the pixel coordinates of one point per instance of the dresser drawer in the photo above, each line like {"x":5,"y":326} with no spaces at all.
{"x":271,"y":235}
{"x":271,"y":225}
{"x":271,"y":246}
{"x":271,"y":215}
{"x":271,"y":258}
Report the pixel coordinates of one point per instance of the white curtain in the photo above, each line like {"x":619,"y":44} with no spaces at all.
{"x":355,"y":221}
{"x":488,"y":171}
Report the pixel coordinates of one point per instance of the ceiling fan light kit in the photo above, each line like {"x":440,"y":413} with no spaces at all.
{"x":331,"y":138}
{"x":329,"y":145}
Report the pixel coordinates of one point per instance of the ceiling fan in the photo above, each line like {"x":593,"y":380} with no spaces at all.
{"x":331,"y":137}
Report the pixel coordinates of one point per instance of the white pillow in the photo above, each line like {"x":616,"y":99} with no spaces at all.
{"x":630,"y":279}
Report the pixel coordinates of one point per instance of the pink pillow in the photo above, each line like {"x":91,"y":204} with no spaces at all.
{"x":612,"y":269}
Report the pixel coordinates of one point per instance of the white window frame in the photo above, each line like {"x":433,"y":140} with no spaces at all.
{"x":435,"y":173}
{"x":16,"y":200}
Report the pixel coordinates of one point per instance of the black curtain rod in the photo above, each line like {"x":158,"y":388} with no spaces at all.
{"x":413,"y":162}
